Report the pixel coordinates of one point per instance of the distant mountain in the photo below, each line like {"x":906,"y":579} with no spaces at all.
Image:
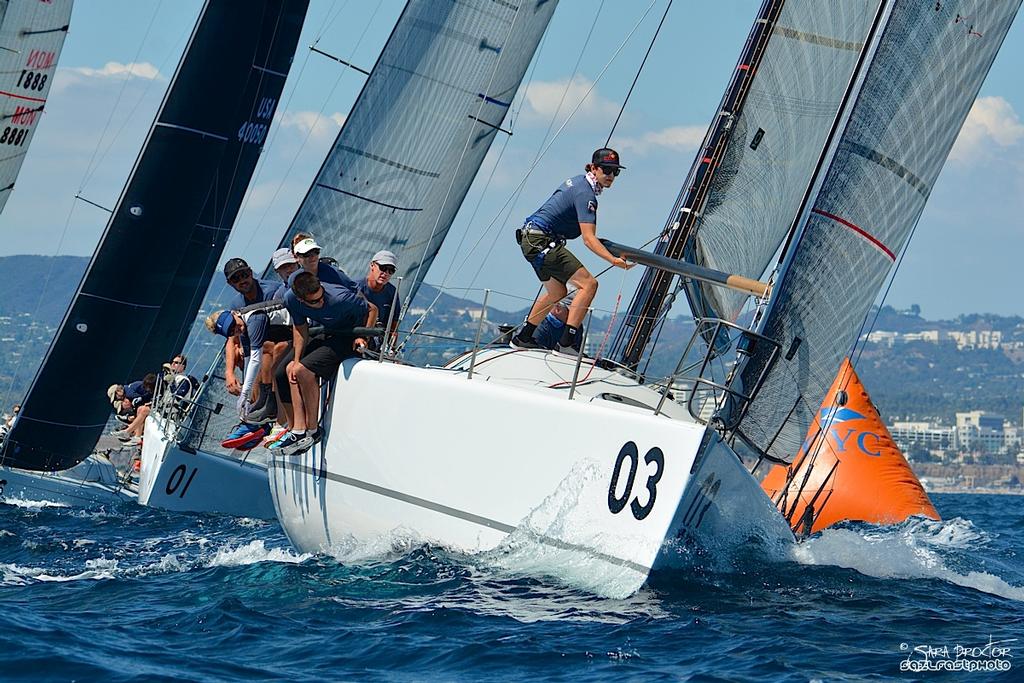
{"x":39,"y":285}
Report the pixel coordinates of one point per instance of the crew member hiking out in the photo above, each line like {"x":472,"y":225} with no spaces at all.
{"x":569,"y":213}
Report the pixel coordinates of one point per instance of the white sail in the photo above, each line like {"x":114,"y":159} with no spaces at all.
{"x":31,"y":36}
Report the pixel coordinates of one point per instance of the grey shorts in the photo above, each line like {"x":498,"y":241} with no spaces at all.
{"x":559,"y":263}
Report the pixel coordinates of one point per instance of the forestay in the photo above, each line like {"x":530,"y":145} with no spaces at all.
{"x":930,"y":61}
{"x":31,"y":36}
{"x":186,"y":177}
{"x":418,"y":132}
{"x":746,"y":186}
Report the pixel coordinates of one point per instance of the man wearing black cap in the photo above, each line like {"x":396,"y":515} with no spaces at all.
{"x":569,"y":213}
{"x":250,"y":291}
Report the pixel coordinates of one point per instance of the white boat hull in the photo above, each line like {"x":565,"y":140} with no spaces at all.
{"x":498,"y":461}
{"x":174,"y":478}
{"x":91,"y":483}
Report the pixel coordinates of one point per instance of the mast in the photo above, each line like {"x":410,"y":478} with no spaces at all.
{"x":190,"y":145}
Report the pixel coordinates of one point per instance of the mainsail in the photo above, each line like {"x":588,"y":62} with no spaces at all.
{"x":929,"y":63}
{"x":199,"y":154}
{"x":418,"y":132}
{"x":31,"y":36}
{"x":758,"y":158}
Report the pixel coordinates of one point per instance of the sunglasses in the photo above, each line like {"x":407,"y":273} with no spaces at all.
{"x":610,"y":170}
{"x":314,"y":302}
{"x":240,"y":275}
{"x":310,"y":253}
{"x":390,"y":270}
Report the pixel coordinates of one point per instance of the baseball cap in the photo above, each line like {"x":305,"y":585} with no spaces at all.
{"x":385,"y":258}
{"x":233,"y":266}
{"x":606,"y":156}
{"x":225,"y":321}
{"x":283,"y":256}
{"x":112,"y":393}
{"x":306,"y":245}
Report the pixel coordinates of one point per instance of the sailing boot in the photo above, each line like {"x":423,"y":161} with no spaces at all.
{"x":569,"y":344}
{"x":524,"y":338}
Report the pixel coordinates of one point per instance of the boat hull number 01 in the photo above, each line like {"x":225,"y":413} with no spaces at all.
{"x":178,"y":480}
{"x":629,"y":453}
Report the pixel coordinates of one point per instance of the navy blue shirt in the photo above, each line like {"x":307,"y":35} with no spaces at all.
{"x":342,"y":309}
{"x":549,"y":332}
{"x":574,"y":202}
{"x":264,"y":292}
{"x":137,"y":393}
{"x":327,"y":274}
{"x":382,"y":300}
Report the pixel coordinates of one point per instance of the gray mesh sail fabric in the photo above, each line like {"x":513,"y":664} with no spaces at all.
{"x":31,"y":36}
{"x":776,"y":142}
{"x":190,"y":149}
{"x":416,"y":136}
{"x":930,"y":62}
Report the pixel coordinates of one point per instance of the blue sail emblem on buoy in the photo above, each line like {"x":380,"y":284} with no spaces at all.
{"x":837,"y":415}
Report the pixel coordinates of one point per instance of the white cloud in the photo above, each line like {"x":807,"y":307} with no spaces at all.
{"x":991,"y":123}
{"x":674,"y":138}
{"x":117,"y":70}
{"x":544,"y":98}
{"x":313,"y":124}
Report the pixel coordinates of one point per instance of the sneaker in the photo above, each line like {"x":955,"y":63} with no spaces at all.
{"x":253,"y":439}
{"x":275,"y":435}
{"x":520,"y":343}
{"x":569,"y":351}
{"x":240,"y":434}
{"x":286,"y":440}
{"x":299,"y":446}
{"x":120,"y":433}
{"x":318,"y":436}
{"x":265,"y":414}
{"x":133,"y":441}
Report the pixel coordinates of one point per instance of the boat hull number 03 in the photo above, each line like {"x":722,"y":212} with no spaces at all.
{"x":629,"y":454}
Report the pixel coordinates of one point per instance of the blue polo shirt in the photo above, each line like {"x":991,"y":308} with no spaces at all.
{"x":342,"y":309}
{"x":574,"y":202}
{"x":264,"y":292}
{"x":382,"y":300}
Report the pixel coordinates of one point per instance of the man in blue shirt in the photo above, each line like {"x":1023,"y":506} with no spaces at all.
{"x":379,"y":291}
{"x":338,"y":309}
{"x":250,"y":291}
{"x":569,"y":213}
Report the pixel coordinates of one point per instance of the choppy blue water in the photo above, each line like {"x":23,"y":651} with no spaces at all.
{"x":139,"y":594}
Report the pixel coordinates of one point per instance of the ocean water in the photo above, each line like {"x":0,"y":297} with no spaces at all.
{"x":139,"y":594}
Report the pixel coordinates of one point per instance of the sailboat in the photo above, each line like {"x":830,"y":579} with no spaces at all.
{"x":31,"y":36}
{"x":394,"y":179}
{"x":173,"y":215}
{"x":605,"y":478}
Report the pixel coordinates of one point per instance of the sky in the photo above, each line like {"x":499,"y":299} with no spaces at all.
{"x":120,"y":55}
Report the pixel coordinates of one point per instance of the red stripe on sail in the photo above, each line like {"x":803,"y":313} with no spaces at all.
{"x":860,"y":231}
{"x":21,"y":97}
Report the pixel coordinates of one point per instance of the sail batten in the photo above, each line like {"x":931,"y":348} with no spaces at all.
{"x":192,"y":171}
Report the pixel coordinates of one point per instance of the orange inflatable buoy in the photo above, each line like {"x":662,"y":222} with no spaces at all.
{"x":849,"y":468}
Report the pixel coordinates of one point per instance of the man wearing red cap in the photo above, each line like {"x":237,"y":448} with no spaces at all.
{"x":569,"y":213}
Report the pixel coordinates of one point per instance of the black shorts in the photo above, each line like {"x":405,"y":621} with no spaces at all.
{"x":322,"y":356}
{"x":279,"y":333}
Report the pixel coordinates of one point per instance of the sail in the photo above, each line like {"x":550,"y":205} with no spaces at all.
{"x":200,"y":249}
{"x":177,"y":183}
{"x":928,"y":65}
{"x":31,"y":36}
{"x":750,"y":177}
{"x":418,"y":132}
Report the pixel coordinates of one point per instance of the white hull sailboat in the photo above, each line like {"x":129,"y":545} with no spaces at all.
{"x":603,"y":475}
{"x":91,"y":483}
{"x":174,"y":476}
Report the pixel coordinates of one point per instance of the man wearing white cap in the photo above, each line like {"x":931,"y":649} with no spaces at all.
{"x":307,"y":252}
{"x":379,"y":291}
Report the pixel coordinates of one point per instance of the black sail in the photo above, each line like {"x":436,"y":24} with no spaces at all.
{"x":190,"y":164}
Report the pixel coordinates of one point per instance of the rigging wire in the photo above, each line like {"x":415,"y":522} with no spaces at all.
{"x":638,"y":72}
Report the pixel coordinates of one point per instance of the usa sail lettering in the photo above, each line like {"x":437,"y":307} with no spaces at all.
{"x":617,"y":503}
{"x":176,"y":479}
{"x":253,"y":132}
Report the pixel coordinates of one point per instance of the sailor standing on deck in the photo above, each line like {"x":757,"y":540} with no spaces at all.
{"x":569,"y":213}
